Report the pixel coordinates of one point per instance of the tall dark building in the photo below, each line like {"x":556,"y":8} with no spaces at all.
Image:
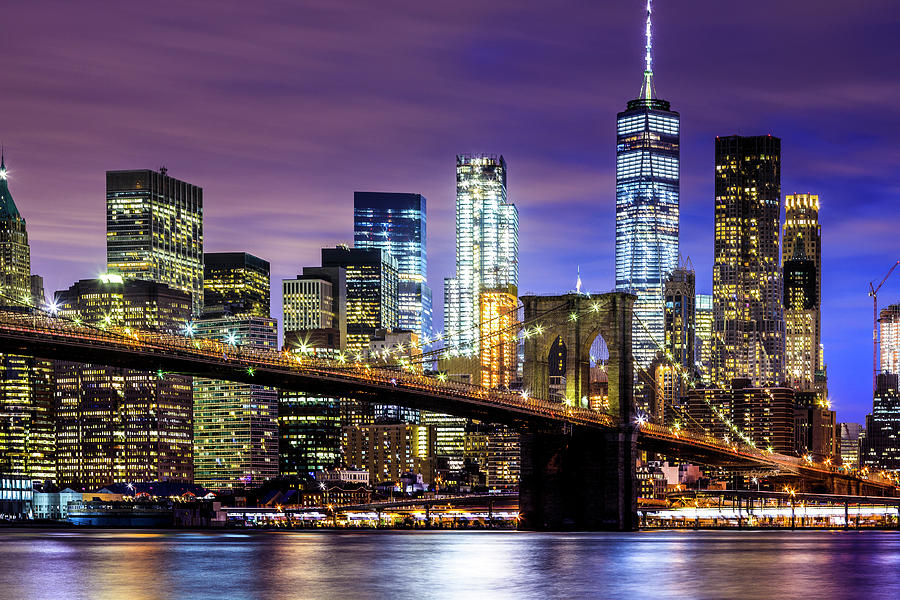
{"x":154,"y":230}
{"x":235,"y":283}
{"x":747,"y":292}
{"x":647,"y":206}
{"x":371,"y":292}
{"x":120,"y":425}
{"x":881,"y":447}
{"x":396,"y":223}
{"x":26,"y":383}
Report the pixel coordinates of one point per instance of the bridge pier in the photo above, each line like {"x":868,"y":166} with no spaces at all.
{"x":579,"y":480}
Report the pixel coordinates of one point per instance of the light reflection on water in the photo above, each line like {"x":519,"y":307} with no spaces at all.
{"x":148,"y":565}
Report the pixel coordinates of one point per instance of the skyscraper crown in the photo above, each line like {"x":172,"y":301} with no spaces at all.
{"x":647,"y":90}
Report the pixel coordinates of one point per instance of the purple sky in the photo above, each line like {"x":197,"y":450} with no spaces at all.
{"x":280,"y":110}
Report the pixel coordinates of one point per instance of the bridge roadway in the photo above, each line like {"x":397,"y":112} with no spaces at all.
{"x":56,"y":338}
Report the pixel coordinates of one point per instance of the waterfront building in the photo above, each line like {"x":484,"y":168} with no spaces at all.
{"x":889,"y":334}
{"x":122,"y":425}
{"x":371,"y":275}
{"x":851,"y":436}
{"x":498,"y":332}
{"x":881,"y":447}
{"x":704,"y":337}
{"x":647,"y":207}
{"x":236,"y":283}
{"x":396,"y":223}
{"x":503,"y":458}
{"x":487,"y":246}
{"x":16,"y":495}
{"x":747,"y":296}
{"x":235,"y":424}
{"x":54,"y":505}
{"x":26,"y":383}
{"x":309,"y":432}
{"x":154,"y":230}
{"x":315,"y":309}
{"x":309,"y":426}
{"x":388,"y":451}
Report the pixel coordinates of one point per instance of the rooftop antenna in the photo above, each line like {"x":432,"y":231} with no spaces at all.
{"x":647,"y":91}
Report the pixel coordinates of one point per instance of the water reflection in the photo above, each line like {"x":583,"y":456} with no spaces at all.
{"x":470,"y":565}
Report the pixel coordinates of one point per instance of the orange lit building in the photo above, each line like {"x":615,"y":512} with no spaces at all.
{"x":497,"y":327}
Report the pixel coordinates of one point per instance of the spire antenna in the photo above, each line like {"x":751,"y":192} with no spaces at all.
{"x":647,"y":91}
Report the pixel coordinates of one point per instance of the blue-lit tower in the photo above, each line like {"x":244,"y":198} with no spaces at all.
{"x":647,"y":182}
{"x":396,"y":223}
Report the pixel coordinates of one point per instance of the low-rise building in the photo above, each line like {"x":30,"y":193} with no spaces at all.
{"x":356,"y":476}
{"x":55,"y":505}
{"x":16,"y":496}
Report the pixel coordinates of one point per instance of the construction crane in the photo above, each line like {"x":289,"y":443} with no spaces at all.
{"x":876,"y":338}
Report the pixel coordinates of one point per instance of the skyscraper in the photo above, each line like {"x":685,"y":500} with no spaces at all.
{"x":801,"y":320}
{"x":881,"y":447}
{"x":396,"y":223}
{"x":154,"y":230}
{"x":26,"y":383}
{"x":747,"y":293}
{"x":704,"y":336}
{"x":315,"y":320}
{"x":121,"y":425}
{"x":236,"y":283}
{"x":371,"y":292}
{"x":498,"y":333}
{"x":889,"y":333}
{"x":679,"y":315}
{"x":647,"y":206}
{"x":235,"y":424}
{"x":487,"y":246}
{"x":314,"y":306}
{"x":801,"y":257}
{"x":679,"y":340}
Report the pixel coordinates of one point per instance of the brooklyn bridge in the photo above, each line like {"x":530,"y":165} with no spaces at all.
{"x":577,"y":463}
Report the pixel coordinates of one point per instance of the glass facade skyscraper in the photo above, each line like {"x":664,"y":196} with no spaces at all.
{"x":647,"y":208}
{"x":154,"y":230}
{"x":396,"y":223}
{"x":487,"y":246}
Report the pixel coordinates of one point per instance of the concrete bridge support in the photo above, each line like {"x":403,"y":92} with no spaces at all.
{"x":580,"y":480}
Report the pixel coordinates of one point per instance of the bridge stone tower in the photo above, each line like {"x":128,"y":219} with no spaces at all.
{"x":579,"y":478}
{"x":578,"y":319}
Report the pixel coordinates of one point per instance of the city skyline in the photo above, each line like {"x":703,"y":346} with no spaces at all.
{"x":566,"y":217}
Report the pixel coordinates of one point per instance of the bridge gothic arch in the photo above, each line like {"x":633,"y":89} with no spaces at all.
{"x":577,"y":319}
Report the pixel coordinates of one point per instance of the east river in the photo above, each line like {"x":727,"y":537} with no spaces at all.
{"x":137,"y":565}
